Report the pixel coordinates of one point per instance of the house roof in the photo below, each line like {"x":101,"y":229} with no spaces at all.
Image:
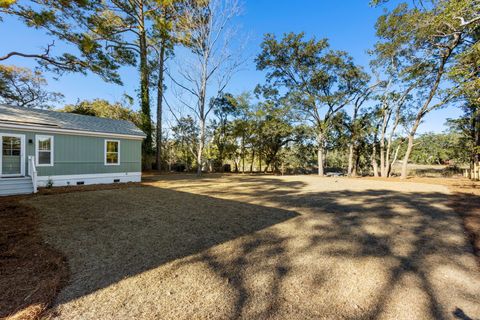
{"x":61,"y":121}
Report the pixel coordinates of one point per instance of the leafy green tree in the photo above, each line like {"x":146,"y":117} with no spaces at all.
{"x":185,"y":135}
{"x":467,"y":127}
{"x":67,"y":21}
{"x":438,"y":149}
{"x":276,"y":128}
{"x":466,"y":75}
{"x":358,"y":126}
{"x":224,"y":107}
{"x":108,"y":34}
{"x":104,"y":109}
{"x":244,"y":126}
{"x":25,"y":88}
{"x":319,"y":82}
{"x":426,"y":39}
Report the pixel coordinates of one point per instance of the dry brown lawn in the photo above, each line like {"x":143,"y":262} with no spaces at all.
{"x":261,"y":247}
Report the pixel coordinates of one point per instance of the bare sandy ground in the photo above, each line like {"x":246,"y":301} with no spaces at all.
{"x":262,"y":247}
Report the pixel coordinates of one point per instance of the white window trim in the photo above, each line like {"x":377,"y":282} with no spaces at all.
{"x":105,"y":152}
{"x":37,"y":138}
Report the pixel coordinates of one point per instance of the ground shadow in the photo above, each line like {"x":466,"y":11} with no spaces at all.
{"x":416,"y":232}
{"x":299,"y":245}
{"x":111,"y":235}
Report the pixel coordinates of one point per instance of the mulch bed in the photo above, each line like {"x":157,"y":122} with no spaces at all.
{"x":31,"y":272}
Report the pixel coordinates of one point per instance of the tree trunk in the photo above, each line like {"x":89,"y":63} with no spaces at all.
{"x":350,"y":159}
{"x":321,"y":153}
{"x":243,"y":153}
{"x":476,"y":130}
{"x":253,"y":160}
{"x":160,"y":106}
{"x":356,"y":164}
{"x":382,"y":158}
{"x":425,"y":108}
{"x":407,"y":156}
{"x":259,"y":162}
{"x":201,"y":145}
{"x":374,"y":160}
{"x":144,"y":83}
{"x":390,"y":166}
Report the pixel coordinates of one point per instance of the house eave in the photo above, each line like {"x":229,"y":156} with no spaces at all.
{"x":69,"y":131}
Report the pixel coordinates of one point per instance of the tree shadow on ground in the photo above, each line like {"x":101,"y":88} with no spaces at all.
{"x":341,"y":254}
{"x":111,"y":235}
{"x":414,"y":236}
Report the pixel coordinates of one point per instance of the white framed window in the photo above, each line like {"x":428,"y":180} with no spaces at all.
{"x":112,"y":152}
{"x":44,"y":150}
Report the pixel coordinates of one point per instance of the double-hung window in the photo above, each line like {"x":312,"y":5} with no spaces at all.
{"x":44,"y":150}
{"x":112,"y":152}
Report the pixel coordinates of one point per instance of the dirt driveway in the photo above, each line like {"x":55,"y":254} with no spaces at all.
{"x":262,"y":247}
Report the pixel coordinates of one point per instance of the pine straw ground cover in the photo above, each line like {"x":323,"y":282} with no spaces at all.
{"x":262,"y":247}
{"x":251,"y":247}
{"x":31,"y":272}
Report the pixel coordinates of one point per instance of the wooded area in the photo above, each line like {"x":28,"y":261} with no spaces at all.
{"x":317,"y":110}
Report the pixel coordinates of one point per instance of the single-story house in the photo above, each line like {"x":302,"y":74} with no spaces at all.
{"x":44,"y":147}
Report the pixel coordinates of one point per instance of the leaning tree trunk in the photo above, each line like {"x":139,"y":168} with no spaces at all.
{"x":407,"y":156}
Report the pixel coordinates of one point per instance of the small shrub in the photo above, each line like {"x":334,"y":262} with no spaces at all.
{"x":49,"y":183}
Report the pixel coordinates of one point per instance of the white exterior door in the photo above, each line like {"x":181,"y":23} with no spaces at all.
{"x":12,"y":155}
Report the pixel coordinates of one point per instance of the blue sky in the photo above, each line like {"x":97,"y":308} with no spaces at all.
{"x":349,"y":25}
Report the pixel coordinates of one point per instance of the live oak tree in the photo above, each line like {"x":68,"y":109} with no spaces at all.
{"x":185,"y":134}
{"x":23,"y":87}
{"x":466,"y":74}
{"x":319,"y":81}
{"x":224,"y":109}
{"x":276,"y":127}
{"x":426,"y":38}
{"x":245,"y":128}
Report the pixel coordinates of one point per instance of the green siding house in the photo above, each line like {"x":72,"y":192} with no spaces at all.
{"x":43,"y":147}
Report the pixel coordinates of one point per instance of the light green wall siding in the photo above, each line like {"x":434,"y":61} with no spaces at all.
{"x":83,"y":154}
